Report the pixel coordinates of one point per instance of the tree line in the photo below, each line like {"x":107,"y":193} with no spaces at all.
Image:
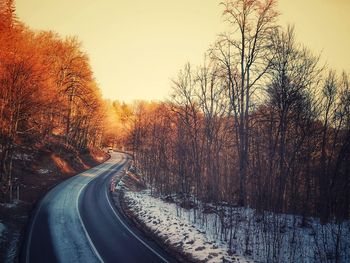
{"x":47,"y":91}
{"x":261,"y":123}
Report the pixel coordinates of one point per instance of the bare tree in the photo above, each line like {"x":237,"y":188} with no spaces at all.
{"x":293,"y":71}
{"x":244,"y":54}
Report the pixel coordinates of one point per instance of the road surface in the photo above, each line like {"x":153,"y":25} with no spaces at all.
{"x":77,"y":222}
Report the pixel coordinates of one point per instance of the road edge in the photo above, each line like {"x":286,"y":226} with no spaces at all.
{"x":28,"y":229}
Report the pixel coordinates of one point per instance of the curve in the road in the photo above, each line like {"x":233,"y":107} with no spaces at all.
{"x":77,"y":222}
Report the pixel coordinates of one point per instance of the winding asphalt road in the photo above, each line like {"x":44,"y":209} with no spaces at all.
{"x":77,"y":222}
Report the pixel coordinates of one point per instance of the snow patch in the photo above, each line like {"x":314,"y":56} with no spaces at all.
{"x":177,"y":229}
{"x":204,"y":231}
{"x":14,"y":204}
{"x":22,"y":157}
{"x":43,"y":171}
{"x":2,"y":229}
{"x":12,"y":250}
{"x":120,"y":185}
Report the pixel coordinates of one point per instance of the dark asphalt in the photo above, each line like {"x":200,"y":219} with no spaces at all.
{"x":113,"y":238}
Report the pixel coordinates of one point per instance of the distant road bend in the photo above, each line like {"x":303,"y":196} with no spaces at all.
{"x":77,"y":222}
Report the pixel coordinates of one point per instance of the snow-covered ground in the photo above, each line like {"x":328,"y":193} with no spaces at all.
{"x":23,"y":157}
{"x":13,"y":204}
{"x":178,"y":229}
{"x":43,"y":171}
{"x":209,"y":234}
{"x":12,"y":249}
{"x":2,"y":229}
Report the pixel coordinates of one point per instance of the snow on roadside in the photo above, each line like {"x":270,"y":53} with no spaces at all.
{"x":265,"y":237}
{"x":12,"y":249}
{"x":43,"y":171}
{"x":13,"y":204}
{"x":178,"y":231}
{"x":120,"y":185}
{"x":2,"y":229}
{"x":23,"y":157}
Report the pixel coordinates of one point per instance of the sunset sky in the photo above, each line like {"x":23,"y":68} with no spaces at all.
{"x":136,"y":47}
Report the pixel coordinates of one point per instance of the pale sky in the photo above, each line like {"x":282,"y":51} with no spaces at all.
{"x":136,"y":47}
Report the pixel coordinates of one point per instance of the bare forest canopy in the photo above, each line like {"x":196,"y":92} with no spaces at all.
{"x":261,"y":123}
{"x":47,"y":92}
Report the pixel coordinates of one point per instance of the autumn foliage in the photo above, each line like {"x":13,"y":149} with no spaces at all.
{"x":47,"y":91}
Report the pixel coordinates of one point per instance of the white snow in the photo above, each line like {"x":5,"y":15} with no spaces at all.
{"x":23,"y":157}
{"x":43,"y":171}
{"x":2,"y":229}
{"x":263,"y":237}
{"x":120,"y":185}
{"x":178,"y":229}
{"x":12,"y":250}
{"x":14,"y":204}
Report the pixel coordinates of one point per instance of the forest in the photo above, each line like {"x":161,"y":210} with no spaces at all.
{"x":48,"y":94}
{"x":261,"y":123}
{"x":253,"y":145}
